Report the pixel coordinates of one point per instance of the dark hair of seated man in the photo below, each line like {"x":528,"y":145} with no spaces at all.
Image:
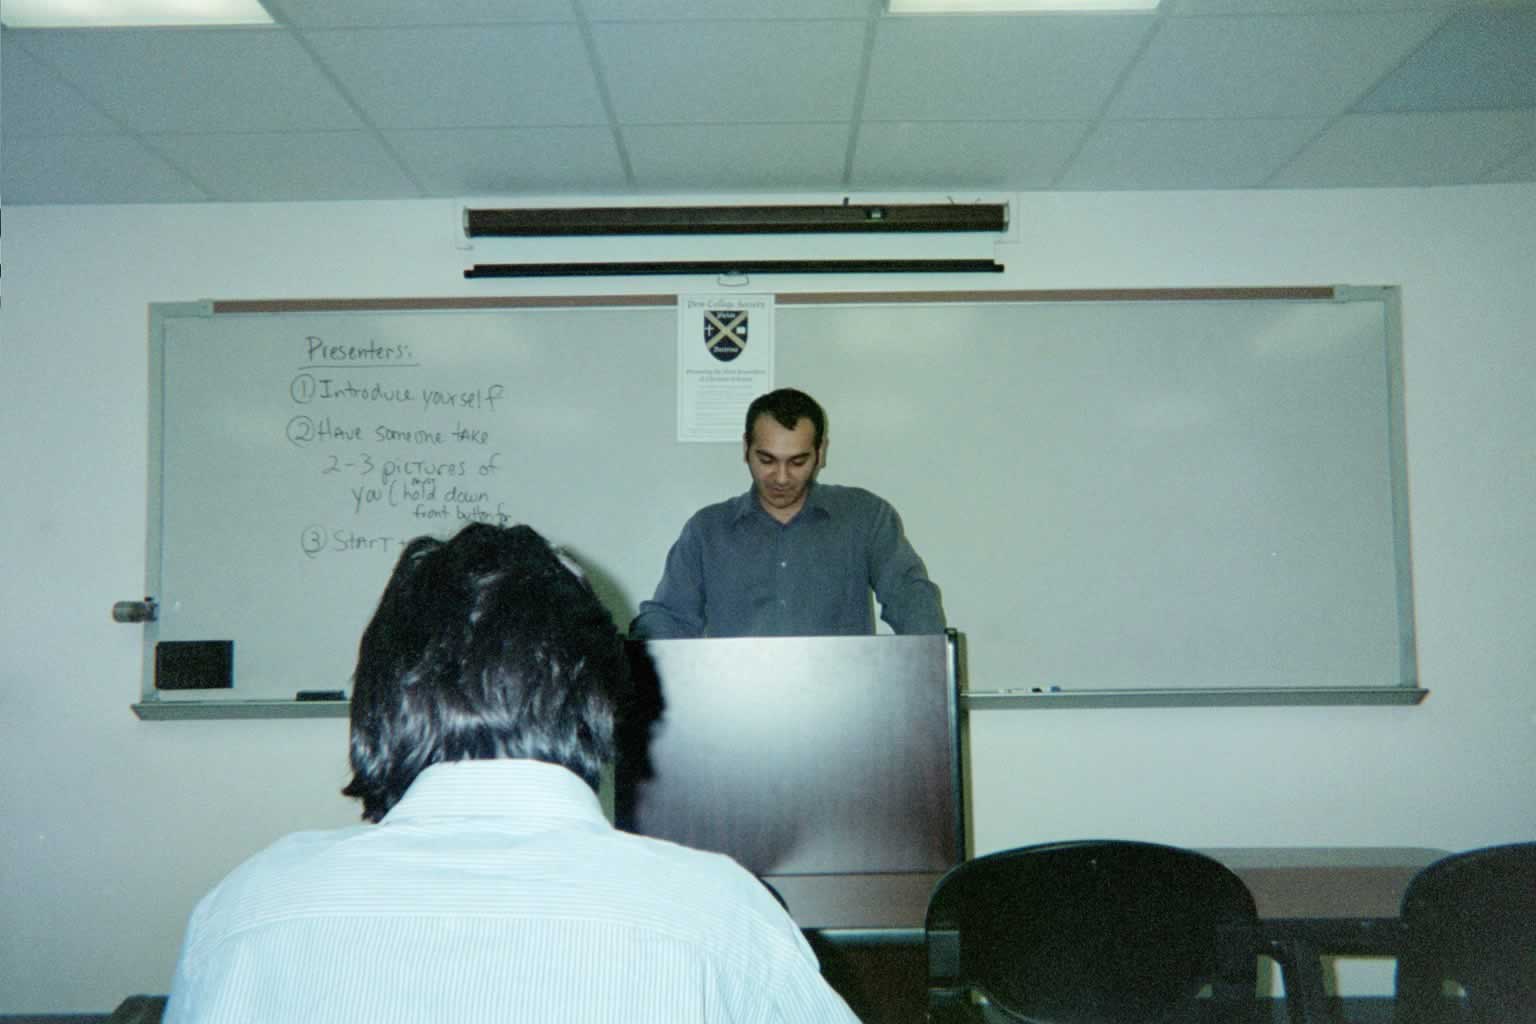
{"x":488,"y":645}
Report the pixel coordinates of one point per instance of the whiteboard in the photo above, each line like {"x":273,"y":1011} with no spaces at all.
{"x":1112,"y":494}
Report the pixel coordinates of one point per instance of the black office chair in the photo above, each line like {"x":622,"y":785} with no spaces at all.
{"x":1091,"y":932}
{"x":140,"y":1009}
{"x":1470,"y":918}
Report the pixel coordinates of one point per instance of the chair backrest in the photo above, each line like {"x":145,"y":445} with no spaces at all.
{"x":1471,"y":918}
{"x":1100,"y":931}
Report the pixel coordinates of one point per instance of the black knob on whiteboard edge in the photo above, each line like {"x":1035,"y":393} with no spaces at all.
{"x":136,"y":611}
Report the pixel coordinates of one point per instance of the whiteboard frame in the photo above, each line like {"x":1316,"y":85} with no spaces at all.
{"x":151,"y":707}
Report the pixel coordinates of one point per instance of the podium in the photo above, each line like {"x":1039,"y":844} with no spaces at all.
{"x":828,"y":766}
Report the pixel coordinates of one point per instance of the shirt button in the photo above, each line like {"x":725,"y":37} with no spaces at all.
{"x":783,"y":565}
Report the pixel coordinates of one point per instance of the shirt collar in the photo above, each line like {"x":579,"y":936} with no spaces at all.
{"x":532,"y":792}
{"x":747,"y":504}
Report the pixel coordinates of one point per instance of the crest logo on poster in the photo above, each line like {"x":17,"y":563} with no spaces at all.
{"x":725,"y":333}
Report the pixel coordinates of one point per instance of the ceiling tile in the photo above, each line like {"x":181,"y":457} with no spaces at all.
{"x":360,"y":13}
{"x":700,"y":10}
{"x":936,"y":154}
{"x":1266,"y":66}
{"x":1187,"y":154}
{"x":998,"y":69}
{"x":1410,"y":149}
{"x":38,"y":102}
{"x":499,"y":161}
{"x":1303,"y":6}
{"x":421,"y":97}
{"x":90,"y":169}
{"x":745,"y":157}
{"x":494,"y":76}
{"x":197,"y":80}
{"x":269,"y":167}
{"x":1479,"y":60}
{"x":755,"y":72}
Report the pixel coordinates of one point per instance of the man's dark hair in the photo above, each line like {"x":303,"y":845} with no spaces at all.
{"x":788,"y":407}
{"x":484,"y":646}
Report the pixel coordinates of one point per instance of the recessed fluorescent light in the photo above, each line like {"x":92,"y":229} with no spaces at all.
{"x":131,"y":13}
{"x":1016,"y":6}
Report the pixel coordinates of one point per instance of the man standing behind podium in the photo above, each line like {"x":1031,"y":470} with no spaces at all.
{"x":791,"y":557}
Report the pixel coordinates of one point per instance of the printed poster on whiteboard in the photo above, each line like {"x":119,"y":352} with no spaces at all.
{"x":724,"y":360}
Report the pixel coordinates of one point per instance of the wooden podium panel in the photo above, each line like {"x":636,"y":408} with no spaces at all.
{"x":800,"y":756}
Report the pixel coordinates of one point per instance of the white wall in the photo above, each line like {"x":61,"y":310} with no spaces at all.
{"x":111,"y":828}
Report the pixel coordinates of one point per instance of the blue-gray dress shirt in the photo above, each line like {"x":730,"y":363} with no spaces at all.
{"x":736,"y":571}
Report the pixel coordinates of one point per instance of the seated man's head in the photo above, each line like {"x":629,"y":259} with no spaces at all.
{"x":484,"y":646}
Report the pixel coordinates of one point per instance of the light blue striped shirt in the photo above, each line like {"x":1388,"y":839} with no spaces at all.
{"x":494,"y":891}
